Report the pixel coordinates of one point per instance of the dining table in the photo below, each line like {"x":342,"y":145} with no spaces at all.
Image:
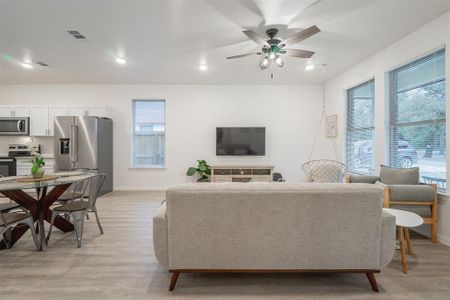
{"x":37,"y":197}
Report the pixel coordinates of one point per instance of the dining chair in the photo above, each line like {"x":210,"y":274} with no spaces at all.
{"x":77,"y":209}
{"x":9,"y":220}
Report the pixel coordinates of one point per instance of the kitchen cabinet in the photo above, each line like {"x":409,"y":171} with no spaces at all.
{"x":98,"y":111}
{"x":55,"y":111}
{"x":41,"y":118}
{"x":14,"y":111}
{"x":77,"y":111}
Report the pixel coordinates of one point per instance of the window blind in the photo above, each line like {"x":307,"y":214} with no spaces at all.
{"x":360,"y":128}
{"x":148,"y":145}
{"x":416,"y":117}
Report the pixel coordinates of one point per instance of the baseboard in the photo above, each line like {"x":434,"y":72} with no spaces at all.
{"x":444,"y":240}
{"x":156,"y":189}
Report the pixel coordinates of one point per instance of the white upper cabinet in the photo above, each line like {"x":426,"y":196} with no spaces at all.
{"x":42,"y":116}
{"x":39,"y":120}
{"x":77,"y":111}
{"x":6,"y":111}
{"x":55,"y":111}
{"x":22,"y":111}
{"x":14,"y":111}
{"x":96,"y":111}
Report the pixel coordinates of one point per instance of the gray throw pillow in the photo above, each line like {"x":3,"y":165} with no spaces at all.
{"x":390,"y":175}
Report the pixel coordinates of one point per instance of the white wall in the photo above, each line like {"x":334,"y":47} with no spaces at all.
{"x":427,"y":38}
{"x":289,"y":113}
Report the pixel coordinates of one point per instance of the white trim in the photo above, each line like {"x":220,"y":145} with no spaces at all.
{"x":136,"y":189}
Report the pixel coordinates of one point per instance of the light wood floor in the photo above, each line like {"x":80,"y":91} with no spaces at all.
{"x":121,"y":265}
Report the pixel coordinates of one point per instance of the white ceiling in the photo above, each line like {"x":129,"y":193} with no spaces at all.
{"x":165,"y":41}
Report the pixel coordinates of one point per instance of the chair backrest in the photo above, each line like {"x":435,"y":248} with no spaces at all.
{"x":324,"y":170}
{"x":95,"y":185}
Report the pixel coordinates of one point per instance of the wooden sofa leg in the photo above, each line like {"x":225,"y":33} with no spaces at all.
{"x":373,"y":281}
{"x":173,"y":280}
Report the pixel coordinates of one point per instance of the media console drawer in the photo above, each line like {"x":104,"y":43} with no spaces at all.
{"x":241,"y":173}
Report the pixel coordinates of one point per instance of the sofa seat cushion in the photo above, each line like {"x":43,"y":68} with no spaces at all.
{"x":417,"y":193}
{"x":390,"y":175}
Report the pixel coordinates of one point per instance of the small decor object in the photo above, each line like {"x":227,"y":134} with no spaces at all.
{"x":37,"y":170}
{"x":331,"y":127}
{"x":202,"y":169}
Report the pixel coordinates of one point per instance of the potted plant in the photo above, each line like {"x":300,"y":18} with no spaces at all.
{"x":203,"y":170}
{"x":37,"y":170}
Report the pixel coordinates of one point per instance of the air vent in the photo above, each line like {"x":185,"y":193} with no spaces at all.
{"x":42,"y":64}
{"x":76,"y":34}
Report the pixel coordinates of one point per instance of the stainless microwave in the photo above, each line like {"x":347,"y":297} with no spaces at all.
{"x":14,"y":126}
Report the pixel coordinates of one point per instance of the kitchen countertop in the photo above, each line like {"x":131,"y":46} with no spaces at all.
{"x":45,"y":155}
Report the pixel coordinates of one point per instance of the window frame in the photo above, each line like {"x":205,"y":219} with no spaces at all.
{"x":392,"y":123}
{"x":133,"y":165}
{"x":350,"y":120}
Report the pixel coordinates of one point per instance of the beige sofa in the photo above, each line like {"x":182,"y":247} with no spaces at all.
{"x":273,"y":227}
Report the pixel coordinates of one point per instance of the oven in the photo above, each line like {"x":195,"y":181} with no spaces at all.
{"x":14,"y":126}
{"x":8,"y":166}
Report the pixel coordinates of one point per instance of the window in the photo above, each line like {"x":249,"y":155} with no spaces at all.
{"x":148,"y":145}
{"x":360,"y":128}
{"x":416,"y":117}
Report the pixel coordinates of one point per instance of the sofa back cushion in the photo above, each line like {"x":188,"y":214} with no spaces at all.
{"x":390,"y":175}
{"x":274,"y":226}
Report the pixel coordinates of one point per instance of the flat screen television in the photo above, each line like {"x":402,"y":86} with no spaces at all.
{"x":241,"y":141}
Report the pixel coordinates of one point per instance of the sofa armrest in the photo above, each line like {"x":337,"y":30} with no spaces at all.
{"x":362,"y":179}
{"x":387,"y":238}
{"x":160,"y":236}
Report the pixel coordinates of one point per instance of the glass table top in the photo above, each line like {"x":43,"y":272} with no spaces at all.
{"x":11,"y":183}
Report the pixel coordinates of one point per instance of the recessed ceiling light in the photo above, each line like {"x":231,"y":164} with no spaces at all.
{"x":309,"y":67}
{"x":121,"y":60}
{"x":26,"y":65}
{"x":203,"y":67}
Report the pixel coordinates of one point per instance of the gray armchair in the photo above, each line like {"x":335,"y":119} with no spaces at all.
{"x":404,"y":191}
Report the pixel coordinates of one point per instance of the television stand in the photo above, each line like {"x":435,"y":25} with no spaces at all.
{"x":241,"y":173}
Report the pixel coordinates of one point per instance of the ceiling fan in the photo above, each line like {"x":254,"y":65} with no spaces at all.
{"x":274,"y":48}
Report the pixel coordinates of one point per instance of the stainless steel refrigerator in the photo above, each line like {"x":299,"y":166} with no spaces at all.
{"x":84,"y":143}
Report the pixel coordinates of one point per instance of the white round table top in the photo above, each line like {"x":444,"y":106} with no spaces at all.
{"x":405,"y":218}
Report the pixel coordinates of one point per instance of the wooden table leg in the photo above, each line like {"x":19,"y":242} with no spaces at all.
{"x":41,"y":195}
{"x":40,"y":210}
{"x":408,"y":241}
{"x":401,"y":238}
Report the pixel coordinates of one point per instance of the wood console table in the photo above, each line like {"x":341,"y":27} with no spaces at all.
{"x":241,"y":173}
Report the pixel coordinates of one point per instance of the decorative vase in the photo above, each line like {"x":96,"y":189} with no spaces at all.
{"x":39,"y":173}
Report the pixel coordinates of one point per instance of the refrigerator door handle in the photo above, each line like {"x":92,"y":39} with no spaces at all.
{"x":75,"y":145}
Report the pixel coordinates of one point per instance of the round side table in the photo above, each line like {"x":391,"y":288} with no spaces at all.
{"x":404,"y":220}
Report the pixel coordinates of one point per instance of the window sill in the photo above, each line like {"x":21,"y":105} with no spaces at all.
{"x":147,"y":167}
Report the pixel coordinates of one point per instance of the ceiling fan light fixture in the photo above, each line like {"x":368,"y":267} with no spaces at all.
{"x":264,"y":64}
{"x":279,"y":61}
{"x":272,"y":56}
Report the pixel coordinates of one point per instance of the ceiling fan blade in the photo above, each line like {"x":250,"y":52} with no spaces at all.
{"x":255,"y":37}
{"x":299,"y":53}
{"x":243,"y":55}
{"x":300,"y":36}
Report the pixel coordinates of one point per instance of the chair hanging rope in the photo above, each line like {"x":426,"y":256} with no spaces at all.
{"x":324,"y":170}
